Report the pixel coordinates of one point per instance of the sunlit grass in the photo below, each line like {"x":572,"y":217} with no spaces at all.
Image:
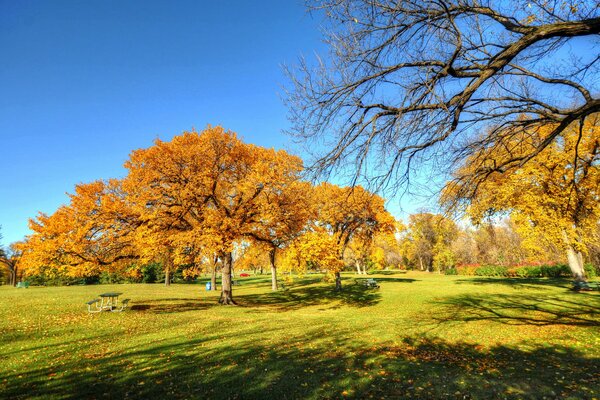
{"x":420,"y":335}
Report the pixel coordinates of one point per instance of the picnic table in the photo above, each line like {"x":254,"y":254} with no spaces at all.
{"x":108,"y":301}
{"x":369,"y":283}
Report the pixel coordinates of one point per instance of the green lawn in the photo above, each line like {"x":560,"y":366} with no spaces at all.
{"x":419,"y":336}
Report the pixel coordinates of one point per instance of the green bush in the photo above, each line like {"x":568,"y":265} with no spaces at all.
{"x":555,"y":271}
{"x":591,"y":271}
{"x":492,"y":270}
{"x":451,"y":271}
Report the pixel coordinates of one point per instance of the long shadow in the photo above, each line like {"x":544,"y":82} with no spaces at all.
{"x":516,"y":282}
{"x":575,"y":310}
{"x":396,"y":272}
{"x":303,"y":296}
{"x":400,"y":280}
{"x":315,"y":366}
{"x":169,"y":308}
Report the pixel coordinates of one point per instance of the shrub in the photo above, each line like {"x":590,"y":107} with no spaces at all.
{"x":591,"y":271}
{"x":452,"y":271}
{"x":492,"y":270}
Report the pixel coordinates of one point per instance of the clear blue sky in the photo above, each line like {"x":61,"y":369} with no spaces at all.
{"x":82,"y":83}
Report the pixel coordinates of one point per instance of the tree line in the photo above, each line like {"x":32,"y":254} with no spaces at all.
{"x":192,"y":202}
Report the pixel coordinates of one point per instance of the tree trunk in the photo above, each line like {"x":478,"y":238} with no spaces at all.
{"x":576,"y":264}
{"x":168,"y":272}
{"x":213,"y":277}
{"x":338,"y":282}
{"x":226,"y":291}
{"x":575,"y":260}
{"x":273,"y":269}
{"x":365,"y":269}
{"x":358,"y":270}
{"x":421,"y":264}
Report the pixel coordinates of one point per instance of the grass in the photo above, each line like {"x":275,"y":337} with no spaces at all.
{"x":419,"y":336}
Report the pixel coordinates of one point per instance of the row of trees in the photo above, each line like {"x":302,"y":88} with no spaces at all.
{"x":191,"y":202}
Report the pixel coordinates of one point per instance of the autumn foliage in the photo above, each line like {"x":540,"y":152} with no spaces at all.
{"x":189,"y":203}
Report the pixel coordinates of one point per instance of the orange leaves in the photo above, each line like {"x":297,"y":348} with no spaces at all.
{"x":192,"y":197}
{"x":83,"y":236}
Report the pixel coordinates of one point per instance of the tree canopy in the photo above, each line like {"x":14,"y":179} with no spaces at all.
{"x":415,"y":82}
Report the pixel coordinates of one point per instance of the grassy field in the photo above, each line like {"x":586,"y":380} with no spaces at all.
{"x":419,"y":336}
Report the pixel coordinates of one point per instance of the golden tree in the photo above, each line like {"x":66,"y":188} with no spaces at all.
{"x":89,"y":235}
{"x":204,"y":190}
{"x":350,"y":212}
{"x":285,"y":208}
{"x":554,"y":196}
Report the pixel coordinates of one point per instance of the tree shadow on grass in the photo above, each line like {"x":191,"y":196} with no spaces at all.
{"x":303,"y":296}
{"x":168,"y":306}
{"x":576,"y":310}
{"x":399,"y":280}
{"x":518,"y":282}
{"x":314,"y":366}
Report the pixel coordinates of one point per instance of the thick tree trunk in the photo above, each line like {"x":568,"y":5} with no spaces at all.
{"x":421,"y":264}
{"x":226,"y":291}
{"x":273,"y":270}
{"x":14,"y":276}
{"x":576,"y":264}
{"x":338,"y":281}
{"x":364,"y":269}
{"x":575,"y":259}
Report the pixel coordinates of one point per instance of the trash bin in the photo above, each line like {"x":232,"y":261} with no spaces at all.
{"x":208,"y":286}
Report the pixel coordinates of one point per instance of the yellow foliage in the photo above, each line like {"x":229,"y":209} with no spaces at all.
{"x":553,"y":197}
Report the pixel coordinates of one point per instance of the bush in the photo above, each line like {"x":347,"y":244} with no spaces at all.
{"x":555,"y":271}
{"x":591,"y":271}
{"x":492,"y":270}
{"x":451,"y":271}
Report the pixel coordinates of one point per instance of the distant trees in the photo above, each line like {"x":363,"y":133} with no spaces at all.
{"x":426,"y":243}
{"x":10,"y":260}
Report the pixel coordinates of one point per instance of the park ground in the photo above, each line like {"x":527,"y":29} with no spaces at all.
{"x":419,"y":336}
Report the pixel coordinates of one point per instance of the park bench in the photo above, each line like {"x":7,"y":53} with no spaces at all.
{"x":579,"y":286}
{"x":92,"y":303}
{"x":369,"y":283}
{"x":124,"y":305}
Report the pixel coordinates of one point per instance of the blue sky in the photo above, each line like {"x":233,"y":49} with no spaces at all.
{"x":84,"y":83}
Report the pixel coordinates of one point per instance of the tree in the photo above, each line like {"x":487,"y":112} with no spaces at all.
{"x":408,"y":82}
{"x":555,"y":196}
{"x":205,"y":190}
{"x":285,"y":209}
{"x":350,"y":212}
{"x":428,"y":240}
{"x":317,"y":250}
{"x":89,"y":235}
{"x":11,"y":260}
